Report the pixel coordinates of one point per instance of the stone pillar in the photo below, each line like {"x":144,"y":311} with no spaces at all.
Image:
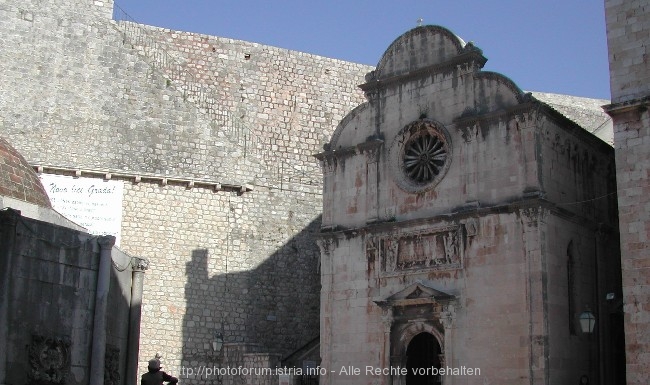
{"x":372,"y":197}
{"x":101,"y":301}
{"x":387,"y":323}
{"x":447,"y":318}
{"x":8,"y":221}
{"x":532,"y":220}
{"x":135,"y":315}
{"x":328,"y":165}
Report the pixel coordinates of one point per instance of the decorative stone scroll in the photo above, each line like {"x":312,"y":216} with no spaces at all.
{"x":49,"y":360}
{"x":437,"y":249}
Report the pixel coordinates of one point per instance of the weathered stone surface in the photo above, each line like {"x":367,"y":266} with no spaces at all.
{"x":628,"y":29}
{"x":450,"y":201}
{"x":82,"y":96}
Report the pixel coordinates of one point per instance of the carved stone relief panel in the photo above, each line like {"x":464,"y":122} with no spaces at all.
{"x":112,"y":365}
{"x":49,"y":360}
{"x":435,"y":249}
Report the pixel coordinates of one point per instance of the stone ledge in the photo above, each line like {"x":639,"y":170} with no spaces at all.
{"x":136,"y":178}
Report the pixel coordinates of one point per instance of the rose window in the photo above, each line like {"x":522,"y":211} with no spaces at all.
{"x":420,"y":155}
{"x":424,"y":157}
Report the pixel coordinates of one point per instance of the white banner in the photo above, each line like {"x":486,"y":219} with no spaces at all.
{"x":92,"y":203}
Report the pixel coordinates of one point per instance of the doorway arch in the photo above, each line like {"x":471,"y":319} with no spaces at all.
{"x":423,"y":360}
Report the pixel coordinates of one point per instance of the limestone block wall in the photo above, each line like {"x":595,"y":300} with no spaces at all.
{"x":76,"y":97}
{"x":628,"y":27}
{"x":89,"y":102}
{"x":224,"y":264}
{"x":263,"y":97}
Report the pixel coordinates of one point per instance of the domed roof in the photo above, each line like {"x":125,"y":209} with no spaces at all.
{"x":17,"y":178}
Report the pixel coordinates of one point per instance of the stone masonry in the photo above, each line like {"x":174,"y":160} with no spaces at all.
{"x":221,"y":193}
{"x":213,"y":139}
{"x":628,"y":31}
{"x":462,"y":212}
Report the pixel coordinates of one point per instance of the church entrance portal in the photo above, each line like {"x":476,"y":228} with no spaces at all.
{"x":423,"y":360}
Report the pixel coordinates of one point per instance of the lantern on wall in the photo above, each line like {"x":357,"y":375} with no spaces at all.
{"x":587,"y":321}
{"x":217,"y":342}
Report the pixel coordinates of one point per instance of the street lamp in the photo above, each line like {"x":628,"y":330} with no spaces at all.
{"x":217,"y":342}
{"x":587,"y":322}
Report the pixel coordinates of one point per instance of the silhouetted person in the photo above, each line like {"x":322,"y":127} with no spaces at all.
{"x":156,"y":376}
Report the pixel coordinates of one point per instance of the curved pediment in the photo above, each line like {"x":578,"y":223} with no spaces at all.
{"x":494,"y":91}
{"x":420,"y":48}
{"x":342,"y":138}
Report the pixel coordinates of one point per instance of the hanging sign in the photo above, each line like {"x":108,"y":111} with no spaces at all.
{"x":93,"y":203}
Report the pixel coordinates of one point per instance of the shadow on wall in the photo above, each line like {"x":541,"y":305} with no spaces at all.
{"x":262,"y":315}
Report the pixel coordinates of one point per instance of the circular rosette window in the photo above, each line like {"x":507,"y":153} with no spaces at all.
{"x":421,"y":153}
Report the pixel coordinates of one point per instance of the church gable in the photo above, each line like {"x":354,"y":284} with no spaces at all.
{"x":417,"y":49}
{"x":429,"y":135}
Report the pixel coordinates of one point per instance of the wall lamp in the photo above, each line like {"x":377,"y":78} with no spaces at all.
{"x":217,"y":342}
{"x":587,"y":321}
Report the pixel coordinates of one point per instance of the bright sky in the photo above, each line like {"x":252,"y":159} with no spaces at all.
{"x":554,"y":46}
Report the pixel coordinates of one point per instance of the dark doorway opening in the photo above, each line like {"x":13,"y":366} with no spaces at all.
{"x":423,"y":360}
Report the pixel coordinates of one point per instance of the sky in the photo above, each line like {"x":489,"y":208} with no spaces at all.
{"x":556,"y":46}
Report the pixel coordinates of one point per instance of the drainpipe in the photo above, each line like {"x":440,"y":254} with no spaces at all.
{"x":135,"y":313}
{"x":98,"y":353}
{"x":9,"y":219}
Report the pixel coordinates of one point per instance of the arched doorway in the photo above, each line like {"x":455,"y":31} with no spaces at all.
{"x":423,"y":360}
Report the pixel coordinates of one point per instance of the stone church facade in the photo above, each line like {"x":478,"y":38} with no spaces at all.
{"x":466,"y":224}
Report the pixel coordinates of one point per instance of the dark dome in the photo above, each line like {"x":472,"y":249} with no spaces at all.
{"x":17,"y":178}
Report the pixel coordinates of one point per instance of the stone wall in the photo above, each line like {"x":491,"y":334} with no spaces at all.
{"x":222,"y":194}
{"x":261,"y":96}
{"x":49,"y":285}
{"x":628,"y":28}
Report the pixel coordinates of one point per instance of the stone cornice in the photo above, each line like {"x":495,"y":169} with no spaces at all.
{"x":572,"y":127}
{"x":529,"y":200}
{"x":369,"y":145}
{"x":627,"y":106}
{"x":138,"y":177}
{"x":530,"y":104}
{"x":470,"y":119}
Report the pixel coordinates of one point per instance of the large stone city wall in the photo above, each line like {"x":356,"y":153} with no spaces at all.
{"x":628,"y":28}
{"x":263,"y":97}
{"x":224,"y":264}
{"x":228,"y":227}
